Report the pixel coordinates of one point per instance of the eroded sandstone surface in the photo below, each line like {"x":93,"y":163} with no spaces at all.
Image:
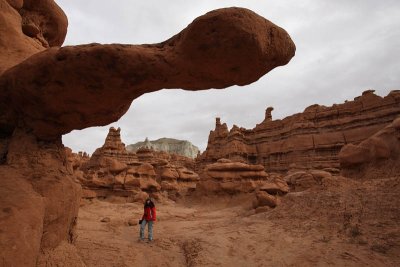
{"x":231,"y":46}
{"x":228,"y":177}
{"x":376,"y":157}
{"x":47,"y":91}
{"x":310,"y":140}
{"x":114,"y":171}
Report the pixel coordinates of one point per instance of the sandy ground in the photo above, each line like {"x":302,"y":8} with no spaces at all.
{"x":226,"y":232}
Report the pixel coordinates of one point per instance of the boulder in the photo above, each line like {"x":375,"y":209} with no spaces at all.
{"x":274,"y":188}
{"x":263,"y":199}
{"x":230,"y":177}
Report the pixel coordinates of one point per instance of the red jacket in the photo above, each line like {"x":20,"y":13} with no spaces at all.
{"x":149,"y":214}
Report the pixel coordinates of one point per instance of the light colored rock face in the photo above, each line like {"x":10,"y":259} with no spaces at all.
{"x":310,"y":140}
{"x":170,"y":145}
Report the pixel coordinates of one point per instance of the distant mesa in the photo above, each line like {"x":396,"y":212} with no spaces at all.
{"x":170,"y":145}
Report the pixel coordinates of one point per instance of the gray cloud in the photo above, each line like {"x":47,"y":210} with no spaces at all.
{"x":343,"y":48}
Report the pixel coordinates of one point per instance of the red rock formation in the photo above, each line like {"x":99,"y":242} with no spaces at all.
{"x":47,"y":91}
{"x":302,"y":180}
{"x":113,"y":148}
{"x":227,"y":177}
{"x":232,"y":46}
{"x":29,"y":27}
{"x":311,"y":140}
{"x":114,"y":171}
{"x":377,"y":156}
{"x":40,"y":197}
{"x":76,"y":160}
{"x":263,"y":199}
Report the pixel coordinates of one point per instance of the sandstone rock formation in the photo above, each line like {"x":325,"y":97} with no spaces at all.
{"x":378,"y":155}
{"x":263,"y":199}
{"x":310,"y":140}
{"x":76,"y":160}
{"x":227,"y":177}
{"x":39,"y":200}
{"x":170,"y":145}
{"x":113,"y":148}
{"x":47,"y":91}
{"x":232,"y":46}
{"x":302,"y":180}
{"x":114,"y":171}
{"x":29,"y":27}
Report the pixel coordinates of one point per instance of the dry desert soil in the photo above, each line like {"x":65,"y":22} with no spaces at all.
{"x":347,"y":223}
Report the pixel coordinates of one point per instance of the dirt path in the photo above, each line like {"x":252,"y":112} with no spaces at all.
{"x":211,"y":236}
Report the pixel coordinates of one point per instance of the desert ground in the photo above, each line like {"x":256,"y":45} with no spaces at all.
{"x":340,"y":223}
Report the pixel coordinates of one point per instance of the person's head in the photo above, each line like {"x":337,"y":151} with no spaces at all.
{"x":148,"y":203}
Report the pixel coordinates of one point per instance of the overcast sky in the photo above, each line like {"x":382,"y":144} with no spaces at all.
{"x":343,"y":48}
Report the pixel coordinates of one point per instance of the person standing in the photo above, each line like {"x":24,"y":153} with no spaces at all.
{"x":149,"y":217}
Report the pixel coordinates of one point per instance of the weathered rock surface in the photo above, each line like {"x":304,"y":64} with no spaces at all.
{"x":381,"y":152}
{"x":169,"y":145}
{"x":47,"y":91}
{"x":113,"y":148}
{"x":310,"y":140}
{"x":263,"y":199}
{"x":302,"y":180}
{"x":39,"y":199}
{"x":112,"y":170}
{"x":29,"y":27}
{"x":76,"y":160}
{"x":231,"y":46}
{"x":227,"y":177}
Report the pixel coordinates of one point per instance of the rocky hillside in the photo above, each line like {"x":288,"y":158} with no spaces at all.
{"x":170,"y":145}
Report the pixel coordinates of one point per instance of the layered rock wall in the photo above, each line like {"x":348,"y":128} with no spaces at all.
{"x":309,"y":140}
{"x":112,"y":170}
{"x":228,"y":177}
{"x":376,"y":157}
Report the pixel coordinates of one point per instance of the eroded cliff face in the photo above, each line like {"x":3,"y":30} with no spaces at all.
{"x":114,"y":171}
{"x":308,"y":140}
{"x":376,"y":157}
{"x":39,"y":200}
{"x":170,"y":145}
